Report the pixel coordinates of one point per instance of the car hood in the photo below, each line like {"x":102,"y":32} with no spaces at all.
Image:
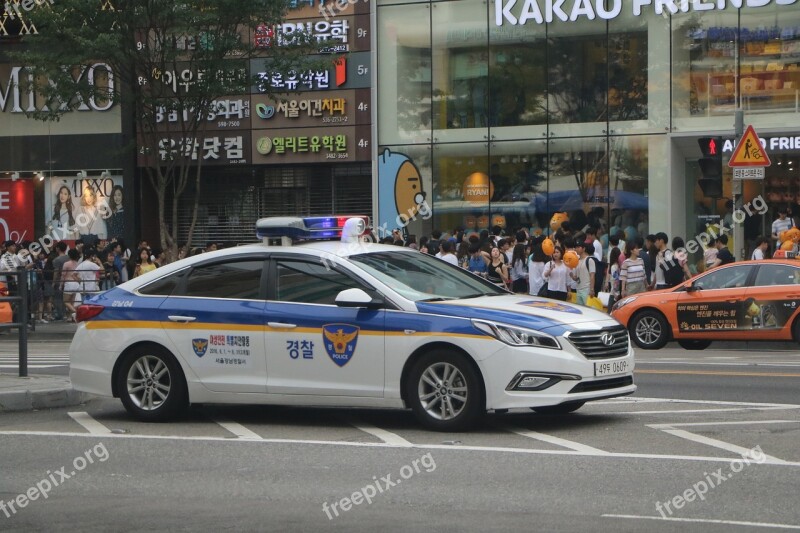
{"x":542,"y":314}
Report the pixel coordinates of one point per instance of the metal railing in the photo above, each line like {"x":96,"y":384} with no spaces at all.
{"x":17,"y":297}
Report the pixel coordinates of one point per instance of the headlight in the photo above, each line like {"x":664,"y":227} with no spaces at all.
{"x":516,"y":336}
{"x":622,"y":303}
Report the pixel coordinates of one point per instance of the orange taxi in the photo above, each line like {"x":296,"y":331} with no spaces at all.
{"x":748,"y":300}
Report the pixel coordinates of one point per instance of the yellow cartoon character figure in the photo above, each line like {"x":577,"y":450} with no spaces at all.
{"x":401,"y":197}
{"x":557,"y":220}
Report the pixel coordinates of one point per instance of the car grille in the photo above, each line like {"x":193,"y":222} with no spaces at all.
{"x":602,"y":384}
{"x":590,"y":343}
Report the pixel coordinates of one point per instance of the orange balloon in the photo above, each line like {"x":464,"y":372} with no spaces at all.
{"x":548,"y":247}
{"x":787,"y":245}
{"x":571,"y":259}
{"x":558,"y":218}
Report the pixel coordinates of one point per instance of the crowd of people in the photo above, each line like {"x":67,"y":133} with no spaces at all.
{"x":60,"y":280}
{"x":577,"y":265}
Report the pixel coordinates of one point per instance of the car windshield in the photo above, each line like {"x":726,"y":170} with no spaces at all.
{"x":420,"y":277}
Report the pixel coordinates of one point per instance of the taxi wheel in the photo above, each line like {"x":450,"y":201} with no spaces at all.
{"x":694,"y":344}
{"x":561,"y":409}
{"x":649,"y":330}
{"x":150,"y":384}
{"x":444,"y":391}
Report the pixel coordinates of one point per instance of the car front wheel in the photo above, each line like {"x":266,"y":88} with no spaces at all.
{"x":150,"y":384}
{"x":444,"y":392}
{"x":649,"y":330}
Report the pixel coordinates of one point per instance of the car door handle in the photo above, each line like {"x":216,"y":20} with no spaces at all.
{"x":178,"y":318}
{"x":281,"y":325}
{"x":733,"y":301}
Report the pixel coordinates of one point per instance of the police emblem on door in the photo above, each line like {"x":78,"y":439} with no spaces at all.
{"x":340,"y":342}
{"x":200,"y":346}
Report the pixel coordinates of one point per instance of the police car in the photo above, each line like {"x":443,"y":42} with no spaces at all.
{"x":341,"y":323}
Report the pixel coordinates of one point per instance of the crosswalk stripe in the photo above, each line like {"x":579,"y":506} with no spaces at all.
{"x":558,"y":441}
{"x":92,"y":426}
{"x":239,"y":430}
{"x":386,"y":436}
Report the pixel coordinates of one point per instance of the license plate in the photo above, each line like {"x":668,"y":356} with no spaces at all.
{"x":612,"y":367}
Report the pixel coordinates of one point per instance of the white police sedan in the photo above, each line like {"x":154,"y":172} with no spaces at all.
{"x":341,"y":324}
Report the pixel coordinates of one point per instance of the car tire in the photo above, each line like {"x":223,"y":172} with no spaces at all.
{"x":444,"y":391}
{"x":694,"y":344}
{"x":560,"y":409}
{"x":151,"y":385}
{"x":649,"y":330}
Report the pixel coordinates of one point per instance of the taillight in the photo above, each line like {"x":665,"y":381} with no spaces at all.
{"x":88,"y":312}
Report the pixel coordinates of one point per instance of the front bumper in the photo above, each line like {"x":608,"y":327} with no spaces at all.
{"x":573,"y":374}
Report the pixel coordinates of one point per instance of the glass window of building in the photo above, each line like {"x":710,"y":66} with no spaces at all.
{"x":404,"y":70}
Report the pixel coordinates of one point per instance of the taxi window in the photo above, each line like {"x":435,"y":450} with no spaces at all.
{"x":725,"y":278}
{"x":769,"y":275}
{"x":311,"y":283}
{"x":240,"y":280}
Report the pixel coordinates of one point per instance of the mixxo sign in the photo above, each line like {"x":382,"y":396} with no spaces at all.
{"x":29,"y":101}
{"x":545,"y":11}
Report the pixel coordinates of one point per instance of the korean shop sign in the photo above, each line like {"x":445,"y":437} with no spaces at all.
{"x":312,"y":109}
{"x":213,"y":148}
{"x":311,"y":145}
{"x":350,"y":71}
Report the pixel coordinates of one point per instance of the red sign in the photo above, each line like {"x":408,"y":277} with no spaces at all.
{"x":16,"y":210}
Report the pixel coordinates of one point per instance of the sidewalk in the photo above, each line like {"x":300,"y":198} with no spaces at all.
{"x":52,"y":331}
{"x":38,"y":391}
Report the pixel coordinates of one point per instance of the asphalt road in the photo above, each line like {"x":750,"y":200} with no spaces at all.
{"x":619,"y":465}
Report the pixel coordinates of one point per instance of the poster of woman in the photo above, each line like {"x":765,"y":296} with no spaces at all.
{"x":85,"y":207}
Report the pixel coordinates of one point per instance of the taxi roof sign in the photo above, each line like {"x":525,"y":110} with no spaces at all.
{"x":749,"y":152}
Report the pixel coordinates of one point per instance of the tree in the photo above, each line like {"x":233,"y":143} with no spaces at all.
{"x":226,"y":47}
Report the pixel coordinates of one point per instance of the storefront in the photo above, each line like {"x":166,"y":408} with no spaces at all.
{"x":511,"y":111}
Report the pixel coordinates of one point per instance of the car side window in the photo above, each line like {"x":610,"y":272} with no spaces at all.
{"x":725,"y":278}
{"x":239,"y":280}
{"x":163,"y":286}
{"x":769,"y":275}
{"x":311,"y":283}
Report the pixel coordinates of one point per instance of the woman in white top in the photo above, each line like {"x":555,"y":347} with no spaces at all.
{"x":556,"y":274}
{"x":519,"y":270}
{"x":536,"y":263}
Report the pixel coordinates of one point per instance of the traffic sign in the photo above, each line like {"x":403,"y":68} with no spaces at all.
{"x":749,"y":152}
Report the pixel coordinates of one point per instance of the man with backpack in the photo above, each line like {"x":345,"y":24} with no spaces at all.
{"x":585,"y":273}
{"x":669,"y":271}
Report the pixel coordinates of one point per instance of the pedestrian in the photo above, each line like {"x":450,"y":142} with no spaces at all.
{"x":556,"y":274}
{"x":710,"y":253}
{"x":519,"y":270}
{"x":478,"y":260}
{"x":446,"y":253}
{"x":536,"y":263}
{"x":679,"y":249}
{"x":144,"y":263}
{"x":665,"y":260}
{"x":58,"y":286}
{"x":760,"y":251}
{"x":584,"y":274}
{"x":781,"y":224}
{"x":496,"y":271}
{"x":632,"y":274}
{"x":724,"y":256}
{"x":71,"y":285}
{"x":89,"y":273}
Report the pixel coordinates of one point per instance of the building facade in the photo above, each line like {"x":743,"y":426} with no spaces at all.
{"x":512,"y":111}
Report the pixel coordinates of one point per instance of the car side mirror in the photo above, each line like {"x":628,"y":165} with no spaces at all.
{"x":358,"y":298}
{"x":693,"y":287}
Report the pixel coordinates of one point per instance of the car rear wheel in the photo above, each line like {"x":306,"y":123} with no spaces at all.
{"x":561,"y":409}
{"x":694,"y":344}
{"x":444,"y":391}
{"x":649,"y":330}
{"x":151,"y":385}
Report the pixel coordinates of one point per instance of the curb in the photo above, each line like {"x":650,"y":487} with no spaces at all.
{"x":27,"y":400}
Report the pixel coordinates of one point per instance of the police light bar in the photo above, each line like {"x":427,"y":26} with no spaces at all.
{"x":304,"y":228}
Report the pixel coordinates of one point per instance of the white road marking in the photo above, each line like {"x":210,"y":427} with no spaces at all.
{"x":680,"y":411}
{"x":239,"y":430}
{"x":386,"y":436}
{"x":92,"y":426}
{"x":708,"y":441}
{"x":572,"y":445}
{"x":715,"y":402}
{"x":705,"y":521}
{"x":499,"y":449}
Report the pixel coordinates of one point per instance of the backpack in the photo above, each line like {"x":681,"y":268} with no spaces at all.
{"x":599,"y":273}
{"x":673,"y":274}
